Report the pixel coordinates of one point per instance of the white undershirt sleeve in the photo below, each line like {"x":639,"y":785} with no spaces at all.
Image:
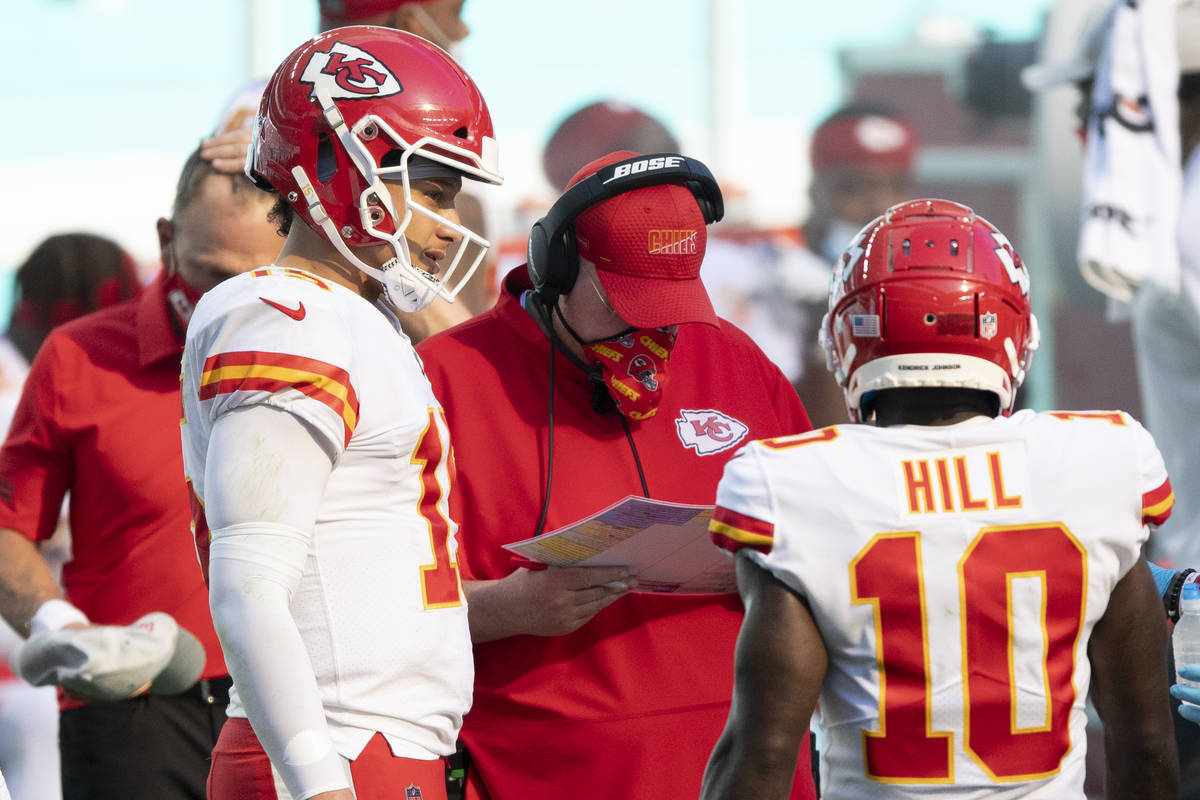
{"x":264,"y":480}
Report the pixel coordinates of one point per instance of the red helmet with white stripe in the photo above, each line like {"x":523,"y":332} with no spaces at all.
{"x":929,"y":294}
{"x":357,"y":106}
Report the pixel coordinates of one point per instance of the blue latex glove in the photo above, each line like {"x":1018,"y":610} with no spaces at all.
{"x":1162,"y":576}
{"x":1188,"y":694}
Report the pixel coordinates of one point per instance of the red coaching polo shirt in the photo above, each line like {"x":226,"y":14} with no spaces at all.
{"x":631,"y":704}
{"x":99,"y":418}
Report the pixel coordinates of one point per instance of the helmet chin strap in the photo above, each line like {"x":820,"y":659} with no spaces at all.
{"x":404,"y":295}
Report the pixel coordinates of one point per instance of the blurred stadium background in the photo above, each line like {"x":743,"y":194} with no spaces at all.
{"x":106,"y":98}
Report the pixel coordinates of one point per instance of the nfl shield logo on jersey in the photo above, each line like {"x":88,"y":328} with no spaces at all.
{"x":412,"y":792}
{"x":987,"y":325}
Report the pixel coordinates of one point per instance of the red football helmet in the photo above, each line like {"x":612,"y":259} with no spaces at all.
{"x":929,"y":294}
{"x":359,"y":105}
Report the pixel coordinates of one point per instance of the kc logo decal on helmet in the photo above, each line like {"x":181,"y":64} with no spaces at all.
{"x":349,"y":73}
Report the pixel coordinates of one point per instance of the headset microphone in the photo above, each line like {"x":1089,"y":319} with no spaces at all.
{"x":602,"y":401}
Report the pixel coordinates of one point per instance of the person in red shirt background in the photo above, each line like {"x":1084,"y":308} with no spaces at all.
{"x":66,"y":276}
{"x":99,"y":418}
{"x":584,"y":687}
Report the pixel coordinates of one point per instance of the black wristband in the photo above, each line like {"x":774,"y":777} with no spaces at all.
{"x":1175,"y":589}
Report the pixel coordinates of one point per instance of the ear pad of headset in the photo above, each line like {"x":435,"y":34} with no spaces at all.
{"x":567,"y":257}
{"x":537,"y":255}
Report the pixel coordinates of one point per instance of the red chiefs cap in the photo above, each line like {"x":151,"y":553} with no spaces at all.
{"x":647,"y":245}
{"x":348,"y":11}
{"x":852,"y":138}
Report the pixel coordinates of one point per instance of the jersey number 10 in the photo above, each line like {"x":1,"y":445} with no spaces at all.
{"x":887,"y":575}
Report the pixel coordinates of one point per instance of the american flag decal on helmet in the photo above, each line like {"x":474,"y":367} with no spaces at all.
{"x":864,"y":325}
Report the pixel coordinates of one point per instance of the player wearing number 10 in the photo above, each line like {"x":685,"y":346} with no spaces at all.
{"x":953,"y":578}
{"x":317,"y":452}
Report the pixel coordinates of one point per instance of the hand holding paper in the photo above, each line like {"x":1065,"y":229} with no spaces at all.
{"x":666,"y":545}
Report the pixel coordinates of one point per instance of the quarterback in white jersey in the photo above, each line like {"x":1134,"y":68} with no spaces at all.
{"x":318,"y":456}
{"x":379,"y":552}
{"x":951,"y":579}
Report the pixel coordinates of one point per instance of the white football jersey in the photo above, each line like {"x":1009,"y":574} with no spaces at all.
{"x":955,"y":574}
{"x":380,"y":606}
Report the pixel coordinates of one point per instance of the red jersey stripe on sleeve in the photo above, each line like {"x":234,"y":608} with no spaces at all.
{"x":1157,"y":504}
{"x":732,"y":531}
{"x":253,"y":370}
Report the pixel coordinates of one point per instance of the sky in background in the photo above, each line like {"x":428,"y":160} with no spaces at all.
{"x":111,"y":95}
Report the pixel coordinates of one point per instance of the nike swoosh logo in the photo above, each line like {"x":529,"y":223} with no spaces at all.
{"x":296,"y":313}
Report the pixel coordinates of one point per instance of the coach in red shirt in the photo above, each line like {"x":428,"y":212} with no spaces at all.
{"x":614,"y":377}
{"x":98,"y":419}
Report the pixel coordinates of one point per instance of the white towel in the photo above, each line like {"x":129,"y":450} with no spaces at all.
{"x":1132,"y":177}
